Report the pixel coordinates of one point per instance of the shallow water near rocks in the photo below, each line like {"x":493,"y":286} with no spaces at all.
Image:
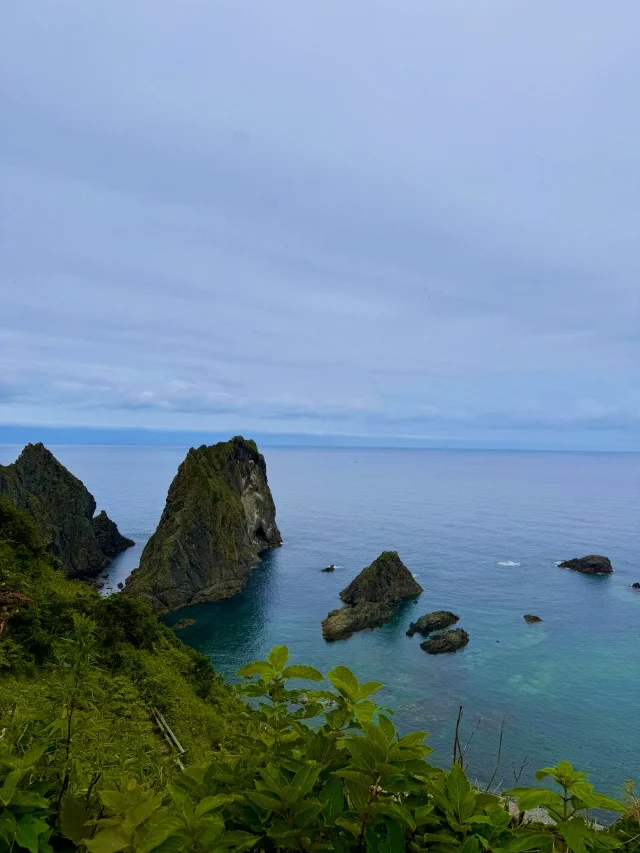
{"x":482,"y":533}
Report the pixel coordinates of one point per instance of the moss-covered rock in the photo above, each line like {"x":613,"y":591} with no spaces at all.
{"x":447,"y":641}
{"x":531,"y":618}
{"x":63,"y":509}
{"x":435,"y":621}
{"x":218,"y":516}
{"x":372,"y":598}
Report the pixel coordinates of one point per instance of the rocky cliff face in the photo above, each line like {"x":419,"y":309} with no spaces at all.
{"x":63,"y":509}
{"x":372,"y":598}
{"x":218,"y":516}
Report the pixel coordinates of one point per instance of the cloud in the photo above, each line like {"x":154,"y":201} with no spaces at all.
{"x":351,"y":218}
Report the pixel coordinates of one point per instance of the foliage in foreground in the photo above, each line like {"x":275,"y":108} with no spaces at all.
{"x":310,"y":768}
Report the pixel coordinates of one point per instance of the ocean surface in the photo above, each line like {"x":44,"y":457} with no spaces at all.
{"x":482,"y":532}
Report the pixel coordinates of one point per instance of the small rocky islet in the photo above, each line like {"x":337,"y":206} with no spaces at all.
{"x":531,"y":618}
{"x":372,"y":598}
{"x":64,"y":511}
{"x":436,"y":621}
{"x":445,"y":642}
{"x":592,"y":564}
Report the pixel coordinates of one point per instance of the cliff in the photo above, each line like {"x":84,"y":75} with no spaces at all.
{"x":63,"y":510}
{"x":372,"y":598}
{"x":218,"y":516}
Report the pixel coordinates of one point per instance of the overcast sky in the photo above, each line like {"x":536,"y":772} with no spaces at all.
{"x":336,"y":217}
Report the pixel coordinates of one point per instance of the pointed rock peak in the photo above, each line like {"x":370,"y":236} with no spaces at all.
{"x":387,"y":579}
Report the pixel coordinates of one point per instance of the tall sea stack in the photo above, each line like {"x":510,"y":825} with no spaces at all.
{"x":63,"y":509}
{"x":218,"y":516}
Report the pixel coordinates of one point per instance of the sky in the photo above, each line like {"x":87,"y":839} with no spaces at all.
{"x":334,"y":220}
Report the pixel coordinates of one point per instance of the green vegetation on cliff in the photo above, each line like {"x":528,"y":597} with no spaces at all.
{"x":311,"y":766}
{"x":218,"y":516}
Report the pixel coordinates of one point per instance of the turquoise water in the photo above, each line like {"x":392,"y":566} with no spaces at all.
{"x":568,"y":687}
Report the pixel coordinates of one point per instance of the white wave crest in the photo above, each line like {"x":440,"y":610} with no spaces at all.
{"x":509,"y":563}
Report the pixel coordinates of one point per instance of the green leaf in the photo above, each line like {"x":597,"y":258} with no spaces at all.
{"x":368,"y":688}
{"x":28,"y":832}
{"x":457,"y":787}
{"x":107,"y":840}
{"x":261,"y":668}
{"x":29,"y":799}
{"x":73,"y":819}
{"x":357,"y":793}
{"x":159,"y":835}
{"x":471,"y":845}
{"x":387,"y":727}
{"x":377,"y":739}
{"x":9,"y":786}
{"x":344,"y":681}
{"x":305,"y":778}
{"x":350,"y":825}
{"x":527,"y":841}
{"x":332,"y":799}
{"x":31,"y":757}
{"x":533,"y":798}
{"x":265,"y":802}
{"x":309,"y":673}
{"x":210,"y":803}
{"x":306,"y":812}
{"x":236,"y":840}
{"x":278,"y":656}
{"x":395,"y":836}
{"x":575,"y":832}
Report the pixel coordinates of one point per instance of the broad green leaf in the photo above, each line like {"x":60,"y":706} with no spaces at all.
{"x":261,"y":668}
{"x":532,"y":798}
{"x":309,"y":673}
{"x":158,"y":835}
{"x":413,"y":739}
{"x":395,"y":837}
{"x":73,"y":819}
{"x":236,"y":840}
{"x":306,"y":812}
{"x":575,"y":832}
{"x":387,"y":727}
{"x":265,"y":802}
{"x":278,"y":656}
{"x":584,"y":791}
{"x":377,"y":739}
{"x":108,"y":840}
{"x":350,"y":825}
{"x":9,"y":786}
{"x":210,"y":803}
{"x":29,"y":799}
{"x":357,"y":793}
{"x":305,"y":778}
{"x":368,"y":688}
{"x":332,"y":799}
{"x":525,"y":841}
{"x":31,"y":757}
{"x":471,"y":845}
{"x":344,"y":681}
{"x":457,"y":788}
{"x":372,"y":840}
{"x":28,"y":831}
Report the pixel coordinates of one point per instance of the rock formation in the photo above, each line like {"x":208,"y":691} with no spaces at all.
{"x":372,"y":598}
{"x":593,"y":564}
{"x":435,"y":621}
{"x":447,"y":641}
{"x":330,"y":568}
{"x":531,"y":619}
{"x":110,"y":541}
{"x":218,"y":517}
{"x":635,"y":585}
{"x":63,"y":510}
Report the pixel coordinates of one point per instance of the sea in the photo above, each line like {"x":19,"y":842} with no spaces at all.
{"x":482,"y":532}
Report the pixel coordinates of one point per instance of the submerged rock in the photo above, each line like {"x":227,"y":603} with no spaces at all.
{"x":372,"y":598}
{"x":218,"y":517}
{"x":63,"y":509}
{"x":592,"y":564}
{"x":447,"y":641}
{"x":330,"y":568}
{"x":435,"y":621}
{"x":183,"y":623}
{"x":529,"y":617}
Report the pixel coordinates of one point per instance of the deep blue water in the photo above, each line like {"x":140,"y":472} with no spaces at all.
{"x":568,"y":687}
